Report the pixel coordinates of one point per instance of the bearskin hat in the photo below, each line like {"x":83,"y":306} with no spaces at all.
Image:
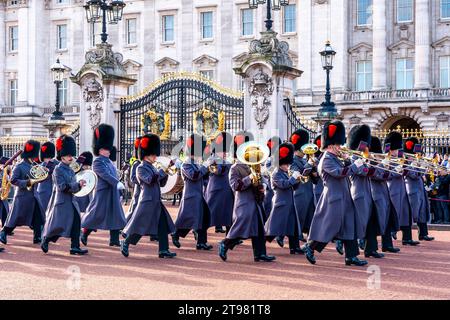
{"x":31,"y":149}
{"x":65,"y":145}
{"x":150,"y":144}
{"x":241,"y":138}
{"x":395,"y":139}
{"x":86,"y":158}
{"x":299,"y":138}
{"x":196,"y":145}
{"x":273,"y":143}
{"x":103,"y":138}
{"x":136,"y":144}
{"x":318,"y":143}
{"x":284,"y":154}
{"x":47,"y":150}
{"x":359,"y":134}
{"x":376,"y":146}
{"x":113,"y":154}
{"x":222,"y":142}
{"x":409,"y":144}
{"x":333,"y":133}
{"x":1,"y":151}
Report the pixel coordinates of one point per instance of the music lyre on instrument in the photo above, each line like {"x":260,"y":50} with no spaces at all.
{"x":6,"y":178}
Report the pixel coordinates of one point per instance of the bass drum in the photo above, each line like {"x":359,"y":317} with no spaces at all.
{"x":174,"y":183}
{"x":91,"y":181}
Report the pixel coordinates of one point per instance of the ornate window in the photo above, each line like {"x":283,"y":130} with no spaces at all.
{"x":363,"y":75}
{"x":364,"y":12}
{"x":289,"y":21}
{"x":247,"y":22}
{"x":404,"y":11}
{"x":444,"y":67}
{"x":404,"y":73}
{"x":206,"y":24}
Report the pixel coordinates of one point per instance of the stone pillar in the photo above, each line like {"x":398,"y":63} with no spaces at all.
{"x":103,"y":82}
{"x":379,"y":60}
{"x":3,"y":50}
{"x":23,"y":73}
{"x":268,"y":79}
{"x":422,"y":48}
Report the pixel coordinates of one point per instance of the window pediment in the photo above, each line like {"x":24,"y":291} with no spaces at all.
{"x":442,"y":45}
{"x":205,"y":60}
{"x":167,"y":63}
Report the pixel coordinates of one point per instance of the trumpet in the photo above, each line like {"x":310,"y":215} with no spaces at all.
{"x":37,"y":174}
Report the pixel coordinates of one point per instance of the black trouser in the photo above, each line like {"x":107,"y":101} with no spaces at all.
{"x":294,"y":240}
{"x":163,"y":236}
{"x":113,"y":234}
{"x":407,"y":230}
{"x":423,"y":229}
{"x":350,"y":247}
{"x":202,"y":234}
{"x":36,"y":223}
{"x":371,"y":233}
{"x":386,"y":238}
{"x":74,"y":232}
{"x":258,"y":242}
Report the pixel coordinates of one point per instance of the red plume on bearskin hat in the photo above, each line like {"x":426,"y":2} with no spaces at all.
{"x":48,"y":150}
{"x":299,"y":138}
{"x":358,"y":134}
{"x":395,"y":139}
{"x":150,"y":144}
{"x":195,"y":145}
{"x":103,"y":138}
{"x":284,"y":154}
{"x":222,"y":142}
{"x":273,"y":143}
{"x":31,"y":149}
{"x":65,"y":146}
{"x":409,"y":144}
{"x":318,"y":143}
{"x":333,"y":133}
{"x":241,"y":138}
{"x":137,"y":142}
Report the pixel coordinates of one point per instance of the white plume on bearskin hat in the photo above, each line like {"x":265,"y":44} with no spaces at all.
{"x":65,"y":146}
{"x":103,"y":138}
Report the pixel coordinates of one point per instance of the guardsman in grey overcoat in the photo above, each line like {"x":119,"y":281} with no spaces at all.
{"x":218,"y":193}
{"x":415,"y":188}
{"x":283,"y":220}
{"x":105,"y":210}
{"x":194,"y":213}
{"x":273,"y":145}
{"x":45,"y":188}
{"x":397,"y":188}
{"x":362,"y":192}
{"x":387,"y":221}
{"x":248,"y":211}
{"x":335,"y":216}
{"x":4,"y":205}
{"x":134,"y":181}
{"x":85,"y":160}
{"x":63,"y":213}
{"x":315,"y":177}
{"x":150,"y":216}
{"x":26,"y":209}
{"x":303,"y":192}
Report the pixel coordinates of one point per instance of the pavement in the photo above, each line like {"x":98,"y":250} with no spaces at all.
{"x":421,"y":272}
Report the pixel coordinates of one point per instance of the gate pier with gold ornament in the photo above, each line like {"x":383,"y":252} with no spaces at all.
{"x":176,"y":105}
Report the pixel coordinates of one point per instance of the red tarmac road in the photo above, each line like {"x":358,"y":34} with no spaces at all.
{"x":27,"y":273}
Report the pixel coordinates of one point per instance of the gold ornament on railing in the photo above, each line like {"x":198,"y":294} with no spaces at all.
{"x":166,"y":134}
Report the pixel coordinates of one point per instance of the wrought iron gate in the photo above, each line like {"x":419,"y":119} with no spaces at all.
{"x":169,"y":106}
{"x":293,"y":121}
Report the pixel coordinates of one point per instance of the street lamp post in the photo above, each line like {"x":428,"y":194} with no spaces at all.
{"x":57,"y":74}
{"x":328,"y":107}
{"x":108,"y":12}
{"x":271,"y":5}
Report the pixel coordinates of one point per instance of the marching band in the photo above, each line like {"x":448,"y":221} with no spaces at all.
{"x":315,"y":192}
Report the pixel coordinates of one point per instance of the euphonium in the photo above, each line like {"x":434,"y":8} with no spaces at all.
{"x":38,"y":173}
{"x":253,"y":154}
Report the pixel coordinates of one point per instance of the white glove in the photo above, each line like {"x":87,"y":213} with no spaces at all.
{"x":399,"y":169}
{"x":428,"y":188}
{"x":120,"y":186}
{"x":359,"y":163}
{"x":385,"y":162}
{"x":296,"y":175}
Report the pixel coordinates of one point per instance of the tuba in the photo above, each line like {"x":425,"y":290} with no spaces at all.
{"x":253,"y":154}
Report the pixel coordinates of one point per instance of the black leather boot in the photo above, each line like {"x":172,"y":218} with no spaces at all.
{"x":78,"y":251}
{"x":426,"y":238}
{"x":44,"y":245}
{"x":374,"y":254}
{"x":391,"y":250}
{"x":309,"y":254}
{"x":3,"y":237}
{"x":37,"y":240}
{"x":204,"y":246}
{"x":355,"y":261}
{"x":223,"y":251}
{"x":176,"y":240}
{"x":280,"y":241}
{"x":265,"y":258}
{"x":296,"y":251}
{"x":84,"y":238}
{"x":340,"y":247}
{"x":2,"y":249}
{"x":167,"y":254}
{"x":361,"y":244}
{"x":410,"y":243}
{"x":124,"y":248}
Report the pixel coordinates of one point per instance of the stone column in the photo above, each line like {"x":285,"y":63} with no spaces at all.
{"x":379,"y":59}
{"x":422,"y":48}
{"x":23,"y":73}
{"x":268,"y":77}
{"x":3,"y":43}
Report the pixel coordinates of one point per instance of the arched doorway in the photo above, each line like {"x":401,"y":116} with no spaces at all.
{"x":403,"y":122}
